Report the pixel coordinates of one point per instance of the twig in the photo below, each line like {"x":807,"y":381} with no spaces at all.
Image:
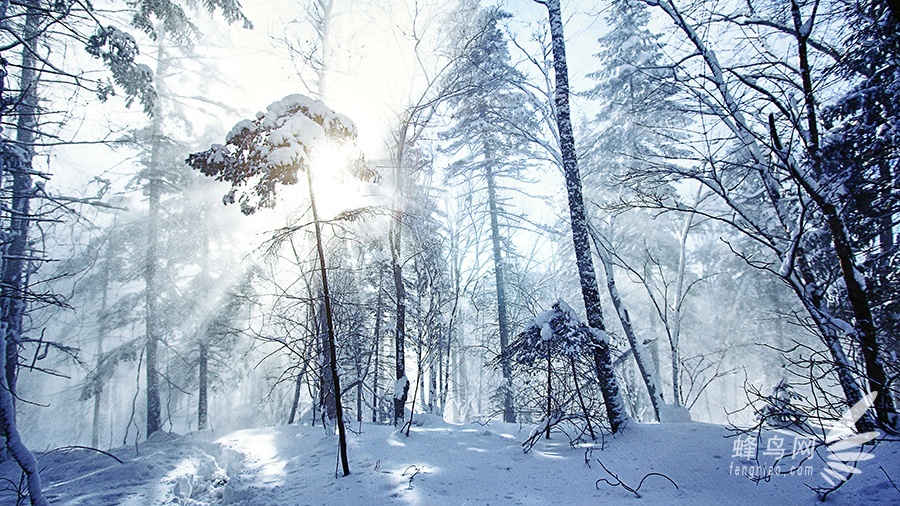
{"x":620,"y":483}
{"x":413,"y":475}
{"x":886,"y":475}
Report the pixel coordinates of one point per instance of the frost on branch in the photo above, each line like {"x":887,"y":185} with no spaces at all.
{"x":272,"y":149}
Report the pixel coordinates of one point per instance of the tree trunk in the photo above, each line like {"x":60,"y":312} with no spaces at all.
{"x":202,"y":402}
{"x":151,"y":293}
{"x":101,"y":333}
{"x":549,"y":393}
{"x":509,"y":414}
{"x":15,"y":258}
{"x":327,"y":399}
{"x":295,"y":403}
{"x":377,"y":347}
{"x":14,"y":253}
{"x":603,"y":367}
{"x":644,"y":363}
{"x":675,"y":334}
{"x":401,"y":386}
{"x":329,"y":322}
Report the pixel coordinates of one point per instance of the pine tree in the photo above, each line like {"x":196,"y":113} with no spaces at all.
{"x":487,"y":117}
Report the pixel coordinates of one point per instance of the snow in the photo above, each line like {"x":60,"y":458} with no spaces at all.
{"x":546,"y":332}
{"x":670,"y":413}
{"x":238,"y":129}
{"x":442,"y":464}
{"x":400,"y":387}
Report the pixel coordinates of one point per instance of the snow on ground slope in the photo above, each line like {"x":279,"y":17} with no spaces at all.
{"x":444,"y":464}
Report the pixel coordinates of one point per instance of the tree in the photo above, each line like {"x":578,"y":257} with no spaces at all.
{"x":557,"y":333}
{"x":268,"y":152}
{"x":485,"y":134}
{"x":580,"y":236}
{"x":746,"y":109}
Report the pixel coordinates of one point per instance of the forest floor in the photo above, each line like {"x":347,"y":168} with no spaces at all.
{"x":447,"y":464}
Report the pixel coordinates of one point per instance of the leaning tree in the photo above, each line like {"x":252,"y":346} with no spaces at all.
{"x":272,"y":150}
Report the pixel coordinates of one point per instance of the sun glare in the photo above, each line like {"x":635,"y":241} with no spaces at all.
{"x":336,"y":188}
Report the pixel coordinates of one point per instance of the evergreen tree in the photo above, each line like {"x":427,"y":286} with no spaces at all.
{"x":484,"y":138}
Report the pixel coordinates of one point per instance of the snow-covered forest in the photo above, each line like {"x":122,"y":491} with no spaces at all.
{"x":449,"y":252}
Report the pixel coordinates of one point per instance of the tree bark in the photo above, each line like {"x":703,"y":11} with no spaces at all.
{"x":14,"y":276}
{"x":329,"y":322}
{"x":101,"y":333}
{"x":151,"y":293}
{"x":394,"y":236}
{"x":202,"y":399}
{"x":603,"y":367}
{"x":377,"y":346}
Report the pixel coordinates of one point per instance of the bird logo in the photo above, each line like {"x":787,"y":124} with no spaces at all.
{"x":845,"y":445}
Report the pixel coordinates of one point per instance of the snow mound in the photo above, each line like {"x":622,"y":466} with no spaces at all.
{"x":670,"y":413}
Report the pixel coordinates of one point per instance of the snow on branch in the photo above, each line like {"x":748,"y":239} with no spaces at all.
{"x":272,"y":149}
{"x":558,"y":331}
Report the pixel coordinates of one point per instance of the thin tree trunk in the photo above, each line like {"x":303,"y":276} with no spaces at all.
{"x":401,"y":386}
{"x":677,"y":305}
{"x":205,"y":339}
{"x":509,"y":414}
{"x":101,"y":333}
{"x":327,"y":399}
{"x":644,"y":363}
{"x":202,"y":399}
{"x":549,"y":392}
{"x":326,"y":296}
{"x":603,"y":367}
{"x":377,"y":347}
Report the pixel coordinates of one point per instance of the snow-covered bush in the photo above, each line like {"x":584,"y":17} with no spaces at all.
{"x":555,"y":345}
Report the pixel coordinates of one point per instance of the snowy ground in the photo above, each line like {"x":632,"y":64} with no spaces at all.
{"x":441,"y":464}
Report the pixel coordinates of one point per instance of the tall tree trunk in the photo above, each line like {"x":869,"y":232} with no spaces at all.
{"x":379,"y":313}
{"x":151,"y":272}
{"x":202,"y":399}
{"x":549,"y":393}
{"x":401,"y":385}
{"x":14,"y":252}
{"x":205,"y":336}
{"x":677,"y":305}
{"x":603,"y":366}
{"x":509,"y":413}
{"x":14,"y":274}
{"x":329,"y":323}
{"x":103,"y":328}
{"x":327,"y":398}
{"x":295,"y":402}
